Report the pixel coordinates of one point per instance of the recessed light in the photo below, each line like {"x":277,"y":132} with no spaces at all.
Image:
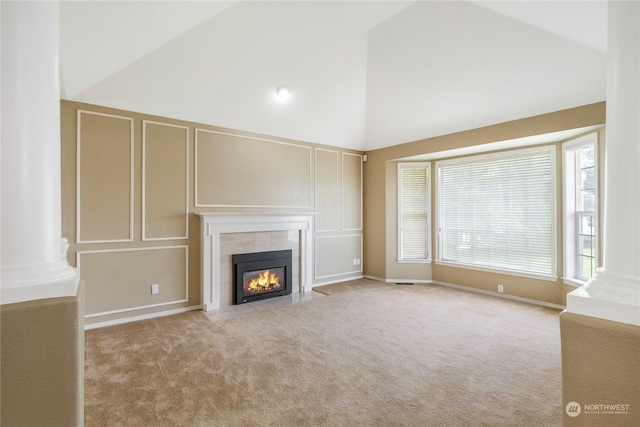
{"x":283,"y":91}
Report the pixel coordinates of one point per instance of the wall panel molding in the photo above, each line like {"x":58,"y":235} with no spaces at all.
{"x":327,"y":191}
{"x":105,"y":194}
{"x":285,"y":181}
{"x":137,"y":274}
{"x":165,"y":198}
{"x":334,"y":255}
{"x":134,"y":184}
{"x":351,"y":192}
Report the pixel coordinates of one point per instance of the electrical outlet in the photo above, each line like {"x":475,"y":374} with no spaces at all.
{"x":355,"y":261}
{"x":155,"y":289}
{"x":500,"y":289}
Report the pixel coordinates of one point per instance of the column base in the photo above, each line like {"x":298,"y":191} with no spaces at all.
{"x":52,"y":280}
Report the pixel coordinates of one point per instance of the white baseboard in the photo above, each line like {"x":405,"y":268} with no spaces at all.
{"x":331,"y":282}
{"x":407,"y":281}
{"x":497,"y":294}
{"x":470,"y":289}
{"x":403,"y":281}
{"x":141,"y":317}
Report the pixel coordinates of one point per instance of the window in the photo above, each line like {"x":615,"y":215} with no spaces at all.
{"x":414,"y":224}
{"x":580,"y":201}
{"x":497,"y":212}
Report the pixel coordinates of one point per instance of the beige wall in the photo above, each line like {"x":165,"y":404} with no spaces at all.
{"x":600,"y":367}
{"x":132,"y":185}
{"x":42,"y":363}
{"x":380,"y":183}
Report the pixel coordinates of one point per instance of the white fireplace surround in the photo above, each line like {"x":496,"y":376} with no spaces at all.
{"x":214,"y":224}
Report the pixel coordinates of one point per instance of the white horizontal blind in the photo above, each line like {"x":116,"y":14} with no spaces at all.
{"x":497,"y":211}
{"x":414,"y":224}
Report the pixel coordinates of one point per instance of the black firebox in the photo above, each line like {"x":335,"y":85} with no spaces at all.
{"x":261,"y":275}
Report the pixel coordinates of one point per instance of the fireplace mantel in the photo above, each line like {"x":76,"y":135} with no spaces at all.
{"x":215,"y":223}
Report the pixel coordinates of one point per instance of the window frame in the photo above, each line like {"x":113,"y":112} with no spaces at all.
{"x":429,"y":224}
{"x":512,"y":153}
{"x":570,"y":201}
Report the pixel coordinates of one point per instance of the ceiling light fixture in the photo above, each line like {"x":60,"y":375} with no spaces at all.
{"x":283,"y":91}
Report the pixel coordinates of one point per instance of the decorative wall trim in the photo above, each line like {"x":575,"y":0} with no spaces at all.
{"x":358,"y":267}
{"x":198,"y":204}
{"x":78,"y":180}
{"x":359,"y":228}
{"x":215,"y":224}
{"x":338,"y":197}
{"x":124,"y":310}
{"x":144,"y":181}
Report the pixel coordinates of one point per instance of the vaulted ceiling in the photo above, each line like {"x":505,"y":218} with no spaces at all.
{"x":363,"y":74}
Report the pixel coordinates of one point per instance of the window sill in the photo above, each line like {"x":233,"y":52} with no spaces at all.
{"x":576,"y":283}
{"x":414,"y":261}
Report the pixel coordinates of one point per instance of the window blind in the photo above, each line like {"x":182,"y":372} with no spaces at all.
{"x":414,"y":224}
{"x":497,"y":211}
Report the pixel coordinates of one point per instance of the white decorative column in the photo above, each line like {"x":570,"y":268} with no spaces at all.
{"x":33,"y":258}
{"x":614,"y":293}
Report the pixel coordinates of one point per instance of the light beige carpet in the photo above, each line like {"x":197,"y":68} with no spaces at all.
{"x":369,"y":354}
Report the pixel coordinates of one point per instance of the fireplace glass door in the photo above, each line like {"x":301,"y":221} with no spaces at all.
{"x":261,"y":275}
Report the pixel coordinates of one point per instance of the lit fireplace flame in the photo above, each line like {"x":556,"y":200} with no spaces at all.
{"x":266,"y":280}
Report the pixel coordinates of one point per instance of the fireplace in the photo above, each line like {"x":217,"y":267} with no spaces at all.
{"x":217,"y":286}
{"x":261,"y":275}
